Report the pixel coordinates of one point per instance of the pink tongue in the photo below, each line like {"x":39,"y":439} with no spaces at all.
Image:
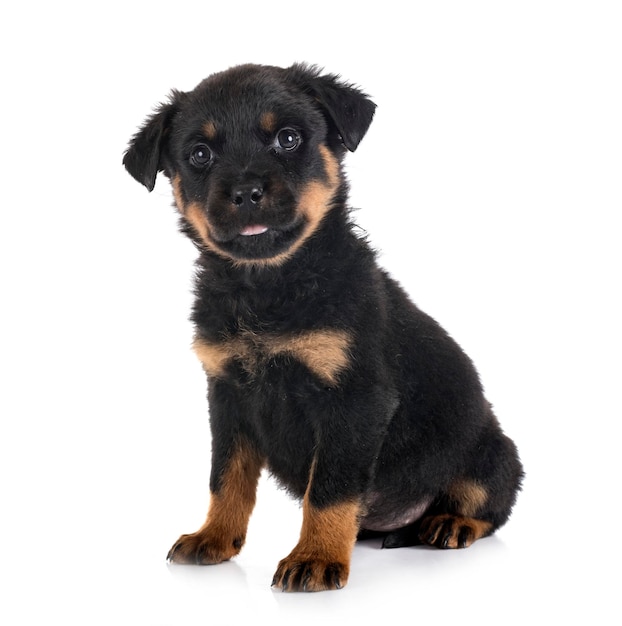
{"x":254,"y":229}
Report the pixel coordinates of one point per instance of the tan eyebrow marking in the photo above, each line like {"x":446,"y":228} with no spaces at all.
{"x":268,"y":122}
{"x":209,"y":128}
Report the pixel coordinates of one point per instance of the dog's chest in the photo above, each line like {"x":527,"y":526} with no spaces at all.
{"x":325,"y":353}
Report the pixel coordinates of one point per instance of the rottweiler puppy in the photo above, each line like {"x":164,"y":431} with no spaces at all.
{"x":319,"y":367}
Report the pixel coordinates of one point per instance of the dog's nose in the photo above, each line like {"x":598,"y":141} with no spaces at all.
{"x":248,"y":195}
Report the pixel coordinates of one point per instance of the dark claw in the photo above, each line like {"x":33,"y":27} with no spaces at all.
{"x":198,"y":557}
{"x":331,"y":577}
{"x":171,"y":553}
{"x":446,"y":533}
{"x":463,"y":537}
{"x":305,"y":577}
{"x":298,"y":574}
{"x":296,"y":579}
{"x":431,"y":534}
{"x":285,"y":581}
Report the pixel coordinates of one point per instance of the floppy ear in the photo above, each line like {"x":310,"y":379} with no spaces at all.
{"x":350,"y":110}
{"x":143,"y":158}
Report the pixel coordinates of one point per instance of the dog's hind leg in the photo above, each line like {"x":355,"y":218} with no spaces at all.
{"x":472,"y":506}
{"x":456,"y":520}
{"x":475,"y":505}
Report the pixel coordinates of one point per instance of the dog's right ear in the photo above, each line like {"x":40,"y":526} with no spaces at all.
{"x":143,"y":158}
{"x":346,"y":107}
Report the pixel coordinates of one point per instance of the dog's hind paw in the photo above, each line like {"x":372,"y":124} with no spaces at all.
{"x":452,"y":531}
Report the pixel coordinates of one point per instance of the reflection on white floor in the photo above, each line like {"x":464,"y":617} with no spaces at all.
{"x":118,"y":575}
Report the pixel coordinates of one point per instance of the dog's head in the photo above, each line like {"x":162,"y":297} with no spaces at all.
{"x":253,"y":155}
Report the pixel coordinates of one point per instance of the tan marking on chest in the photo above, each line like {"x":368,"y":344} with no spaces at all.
{"x":326,"y":353}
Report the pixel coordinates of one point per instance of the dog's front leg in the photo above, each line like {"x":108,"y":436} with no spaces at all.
{"x":321,"y":559}
{"x":350,"y":426}
{"x":235,"y":473}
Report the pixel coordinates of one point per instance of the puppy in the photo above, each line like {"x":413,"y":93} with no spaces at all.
{"x":319,"y":367}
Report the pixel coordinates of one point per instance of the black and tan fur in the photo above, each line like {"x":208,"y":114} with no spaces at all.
{"x":319,"y":367}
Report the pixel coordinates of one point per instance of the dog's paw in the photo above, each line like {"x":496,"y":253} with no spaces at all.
{"x":310,"y":574}
{"x":452,"y":531}
{"x":203,"y":548}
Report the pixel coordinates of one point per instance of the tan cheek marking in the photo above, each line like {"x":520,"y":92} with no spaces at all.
{"x":177,"y":194}
{"x":268,"y":122}
{"x":196,"y":216}
{"x":314,"y":204}
{"x":315,"y":200}
{"x":192,"y":212}
{"x":324,"y":352}
{"x":209,"y":130}
{"x":469,"y":496}
{"x":331,"y":164}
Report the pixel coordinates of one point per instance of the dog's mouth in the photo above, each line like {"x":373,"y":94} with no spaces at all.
{"x":259,"y":241}
{"x":253,"y":230}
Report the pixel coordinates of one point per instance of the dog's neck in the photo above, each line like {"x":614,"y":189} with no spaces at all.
{"x":265,"y":296}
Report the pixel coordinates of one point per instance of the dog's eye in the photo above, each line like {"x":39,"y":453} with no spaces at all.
{"x":201,"y":155}
{"x":288,"y":139}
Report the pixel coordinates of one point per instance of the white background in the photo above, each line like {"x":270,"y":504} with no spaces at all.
{"x":490,"y":183}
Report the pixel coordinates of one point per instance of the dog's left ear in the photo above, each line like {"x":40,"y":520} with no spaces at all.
{"x":143,"y":158}
{"x":347,"y":106}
